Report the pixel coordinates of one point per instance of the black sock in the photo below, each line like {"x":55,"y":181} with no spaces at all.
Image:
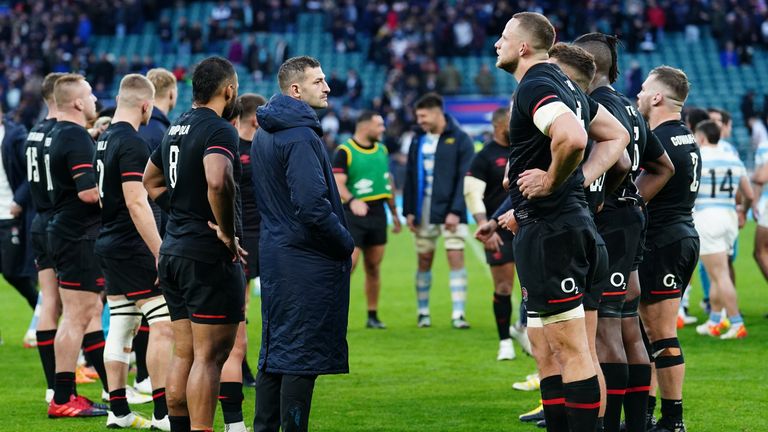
{"x":554,"y":403}
{"x":636,"y":397}
{"x":502,"y":310}
{"x":671,"y":411}
{"x":45,"y":348}
{"x":231,"y":398}
{"x":93,"y":350}
{"x":118,"y":402}
{"x":26,"y":286}
{"x":599,"y":425}
{"x":651,"y":404}
{"x":179,"y":423}
{"x":64,"y":387}
{"x":140,"y":342}
{"x":247,"y":373}
{"x":616,"y":386}
{"x":582,"y":403}
{"x":372,"y":315}
{"x":158,"y":399}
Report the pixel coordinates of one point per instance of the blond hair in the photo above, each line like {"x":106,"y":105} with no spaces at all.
{"x":65,"y":89}
{"x":134,"y":90}
{"x":163,"y":80}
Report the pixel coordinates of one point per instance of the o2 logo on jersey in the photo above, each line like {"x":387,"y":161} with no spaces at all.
{"x":568,"y":285}
{"x":617,"y":280}
{"x":669,"y":281}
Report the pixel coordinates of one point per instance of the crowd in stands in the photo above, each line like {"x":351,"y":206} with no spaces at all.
{"x":405,"y":37}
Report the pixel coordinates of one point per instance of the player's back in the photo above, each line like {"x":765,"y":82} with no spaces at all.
{"x":489,"y":165}
{"x":193,"y":136}
{"x":542,"y":86}
{"x":71,"y":155}
{"x":121,"y":155}
{"x":721,"y":171}
{"x":37,"y":167}
{"x":673,"y":205}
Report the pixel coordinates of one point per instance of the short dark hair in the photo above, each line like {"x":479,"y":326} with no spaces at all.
{"x":725,"y":115}
{"x":538,"y":27}
{"x":248,"y":103}
{"x":674,"y":79}
{"x":582,"y":62}
{"x":605,"y":50}
{"x":694,"y":116}
{"x":209,"y":77}
{"x":366,"y":115}
{"x":429,"y":100}
{"x":500,"y":114}
{"x":710,"y":129}
{"x":48,"y":83}
{"x":293,"y":69}
{"x":237,"y":110}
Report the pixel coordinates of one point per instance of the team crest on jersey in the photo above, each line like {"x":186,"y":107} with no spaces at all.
{"x":450,"y":140}
{"x":364,"y":186}
{"x":501,"y":162}
{"x":245,"y":159}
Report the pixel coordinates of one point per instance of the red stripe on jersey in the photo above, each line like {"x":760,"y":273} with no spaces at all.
{"x":135,"y":293}
{"x":638,"y":389}
{"x":665,"y":292}
{"x":614,"y":293}
{"x":130,"y":174}
{"x":222,"y":148}
{"x":209,"y":316}
{"x":565,"y":299}
{"x":558,"y":401}
{"x":541,"y":102}
{"x":77,"y":167}
{"x":74,"y":284}
{"x":94,"y":347}
{"x":338,"y":170}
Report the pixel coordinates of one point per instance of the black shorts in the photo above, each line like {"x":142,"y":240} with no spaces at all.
{"x":75,"y":263}
{"x":555,"y":269}
{"x":12,"y":250}
{"x":666,"y":270}
{"x":251,"y":245}
{"x":621,"y":229}
{"x":507,"y":252}
{"x":598,"y":275}
{"x":205,"y":293}
{"x":369,"y":230}
{"x":132,"y":277}
{"x":39,"y":238}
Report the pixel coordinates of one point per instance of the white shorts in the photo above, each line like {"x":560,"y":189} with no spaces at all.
{"x":718,"y":230}
{"x":426,"y":237}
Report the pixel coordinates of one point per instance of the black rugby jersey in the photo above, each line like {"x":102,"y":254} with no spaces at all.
{"x":643,"y":145}
{"x":38,"y":171}
{"x":488,"y":165}
{"x":196,"y":134}
{"x":121,"y":155}
{"x":670,"y":213}
{"x":543,"y":84}
{"x":71,"y":154}
{"x":251,"y":215}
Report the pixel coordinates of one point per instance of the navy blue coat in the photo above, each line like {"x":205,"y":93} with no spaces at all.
{"x":154,"y":131}
{"x":305,"y":247}
{"x":15,"y":166}
{"x":452,"y":160}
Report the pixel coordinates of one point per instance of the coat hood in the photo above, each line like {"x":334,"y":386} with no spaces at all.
{"x":284,"y":112}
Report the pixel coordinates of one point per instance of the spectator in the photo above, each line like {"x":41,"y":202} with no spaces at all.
{"x":449,"y":79}
{"x":728,"y":57}
{"x":759,"y":135}
{"x":484,"y":80}
{"x":221,"y":12}
{"x":330,"y":125}
{"x":235,"y":51}
{"x":634,"y":80}
{"x":165,"y":32}
{"x":354,"y":88}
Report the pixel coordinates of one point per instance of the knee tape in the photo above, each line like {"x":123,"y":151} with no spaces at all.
{"x":156,"y":310}
{"x":661,"y":347}
{"x":124,"y":321}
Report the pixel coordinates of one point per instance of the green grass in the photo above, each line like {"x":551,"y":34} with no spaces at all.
{"x":438,"y":379}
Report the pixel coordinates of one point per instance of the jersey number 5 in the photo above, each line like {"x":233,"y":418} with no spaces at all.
{"x":173,"y":162}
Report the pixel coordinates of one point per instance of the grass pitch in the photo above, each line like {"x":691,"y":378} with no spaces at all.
{"x":438,"y":379}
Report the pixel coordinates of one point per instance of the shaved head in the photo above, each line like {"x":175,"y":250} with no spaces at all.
{"x":134,"y":90}
{"x":47,"y":87}
{"x":604,"y":49}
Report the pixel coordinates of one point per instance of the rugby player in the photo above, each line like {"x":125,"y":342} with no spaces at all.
{"x":718,"y":219}
{"x":128,"y":247}
{"x":484,"y":192}
{"x":192,"y":175}
{"x":548,"y":124}
{"x":672,"y":242}
{"x":72,"y":231}
{"x":361,"y":170}
{"x":37,"y":175}
{"x":621,"y":224}
{"x":433,"y":202}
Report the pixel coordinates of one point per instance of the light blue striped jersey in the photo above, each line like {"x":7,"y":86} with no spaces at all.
{"x":721,"y":172}
{"x":728,"y":147}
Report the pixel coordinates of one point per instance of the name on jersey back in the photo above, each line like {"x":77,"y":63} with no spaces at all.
{"x":683,"y":140}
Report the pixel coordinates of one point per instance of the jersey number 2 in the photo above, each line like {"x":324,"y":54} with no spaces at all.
{"x":695,"y":162}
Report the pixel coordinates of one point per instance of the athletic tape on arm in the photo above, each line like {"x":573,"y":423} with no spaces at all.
{"x":474,"y":189}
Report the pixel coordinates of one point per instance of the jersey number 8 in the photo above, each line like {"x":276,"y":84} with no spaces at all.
{"x":173,"y":161}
